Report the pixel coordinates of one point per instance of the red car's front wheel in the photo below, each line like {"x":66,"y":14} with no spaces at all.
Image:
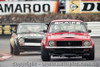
{"x":45,"y":54}
{"x":92,"y":54}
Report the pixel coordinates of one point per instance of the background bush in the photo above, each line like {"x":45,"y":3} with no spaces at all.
{"x":18,"y":18}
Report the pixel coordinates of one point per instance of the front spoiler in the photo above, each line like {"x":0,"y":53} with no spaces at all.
{"x":80,"y":47}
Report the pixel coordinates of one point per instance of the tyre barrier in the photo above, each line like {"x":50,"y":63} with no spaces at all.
{"x":7,"y":29}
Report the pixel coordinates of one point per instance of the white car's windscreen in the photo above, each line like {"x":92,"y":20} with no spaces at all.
{"x":30,"y":28}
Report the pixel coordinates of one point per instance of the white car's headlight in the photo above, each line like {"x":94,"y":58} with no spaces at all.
{"x":51,"y":43}
{"x":87,"y":43}
{"x":21,"y":40}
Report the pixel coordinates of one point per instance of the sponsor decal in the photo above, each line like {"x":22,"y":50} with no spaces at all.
{"x":67,"y":22}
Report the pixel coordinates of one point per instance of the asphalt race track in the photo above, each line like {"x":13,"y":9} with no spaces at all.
{"x":33,"y":59}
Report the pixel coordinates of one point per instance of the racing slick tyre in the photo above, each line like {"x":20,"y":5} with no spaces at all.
{"x":16,"y":50}
{"x":11,"y":49}
{"x":45,"y":54}
{"x":92,"y":54}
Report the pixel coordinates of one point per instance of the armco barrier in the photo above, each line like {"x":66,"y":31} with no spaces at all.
{"x":95,"y":27}
{"x":7,"y":29}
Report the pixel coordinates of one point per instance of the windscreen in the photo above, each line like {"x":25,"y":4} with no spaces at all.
{"x":67,"y":27}
{"x":30,"y":28}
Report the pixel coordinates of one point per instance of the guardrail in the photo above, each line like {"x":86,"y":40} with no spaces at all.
{"x":95,"y":27}
{"x":6,"y":29}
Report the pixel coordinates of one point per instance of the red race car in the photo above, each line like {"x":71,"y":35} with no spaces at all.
{"x":67,"y":38}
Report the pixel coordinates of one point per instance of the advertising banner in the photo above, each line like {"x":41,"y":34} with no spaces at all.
{"x":31,"y":7}
{"x":45,"y":7}
{"x":74,"y":6}
{"x":90,"y":6}
{"x":85,"y":6}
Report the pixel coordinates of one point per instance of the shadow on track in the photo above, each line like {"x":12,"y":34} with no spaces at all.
{"x":68,"y":59}
{"x":30,"y":54}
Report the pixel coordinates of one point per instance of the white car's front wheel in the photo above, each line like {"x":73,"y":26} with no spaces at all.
{"x":16,"y":50}
{"x":11,"y":49}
